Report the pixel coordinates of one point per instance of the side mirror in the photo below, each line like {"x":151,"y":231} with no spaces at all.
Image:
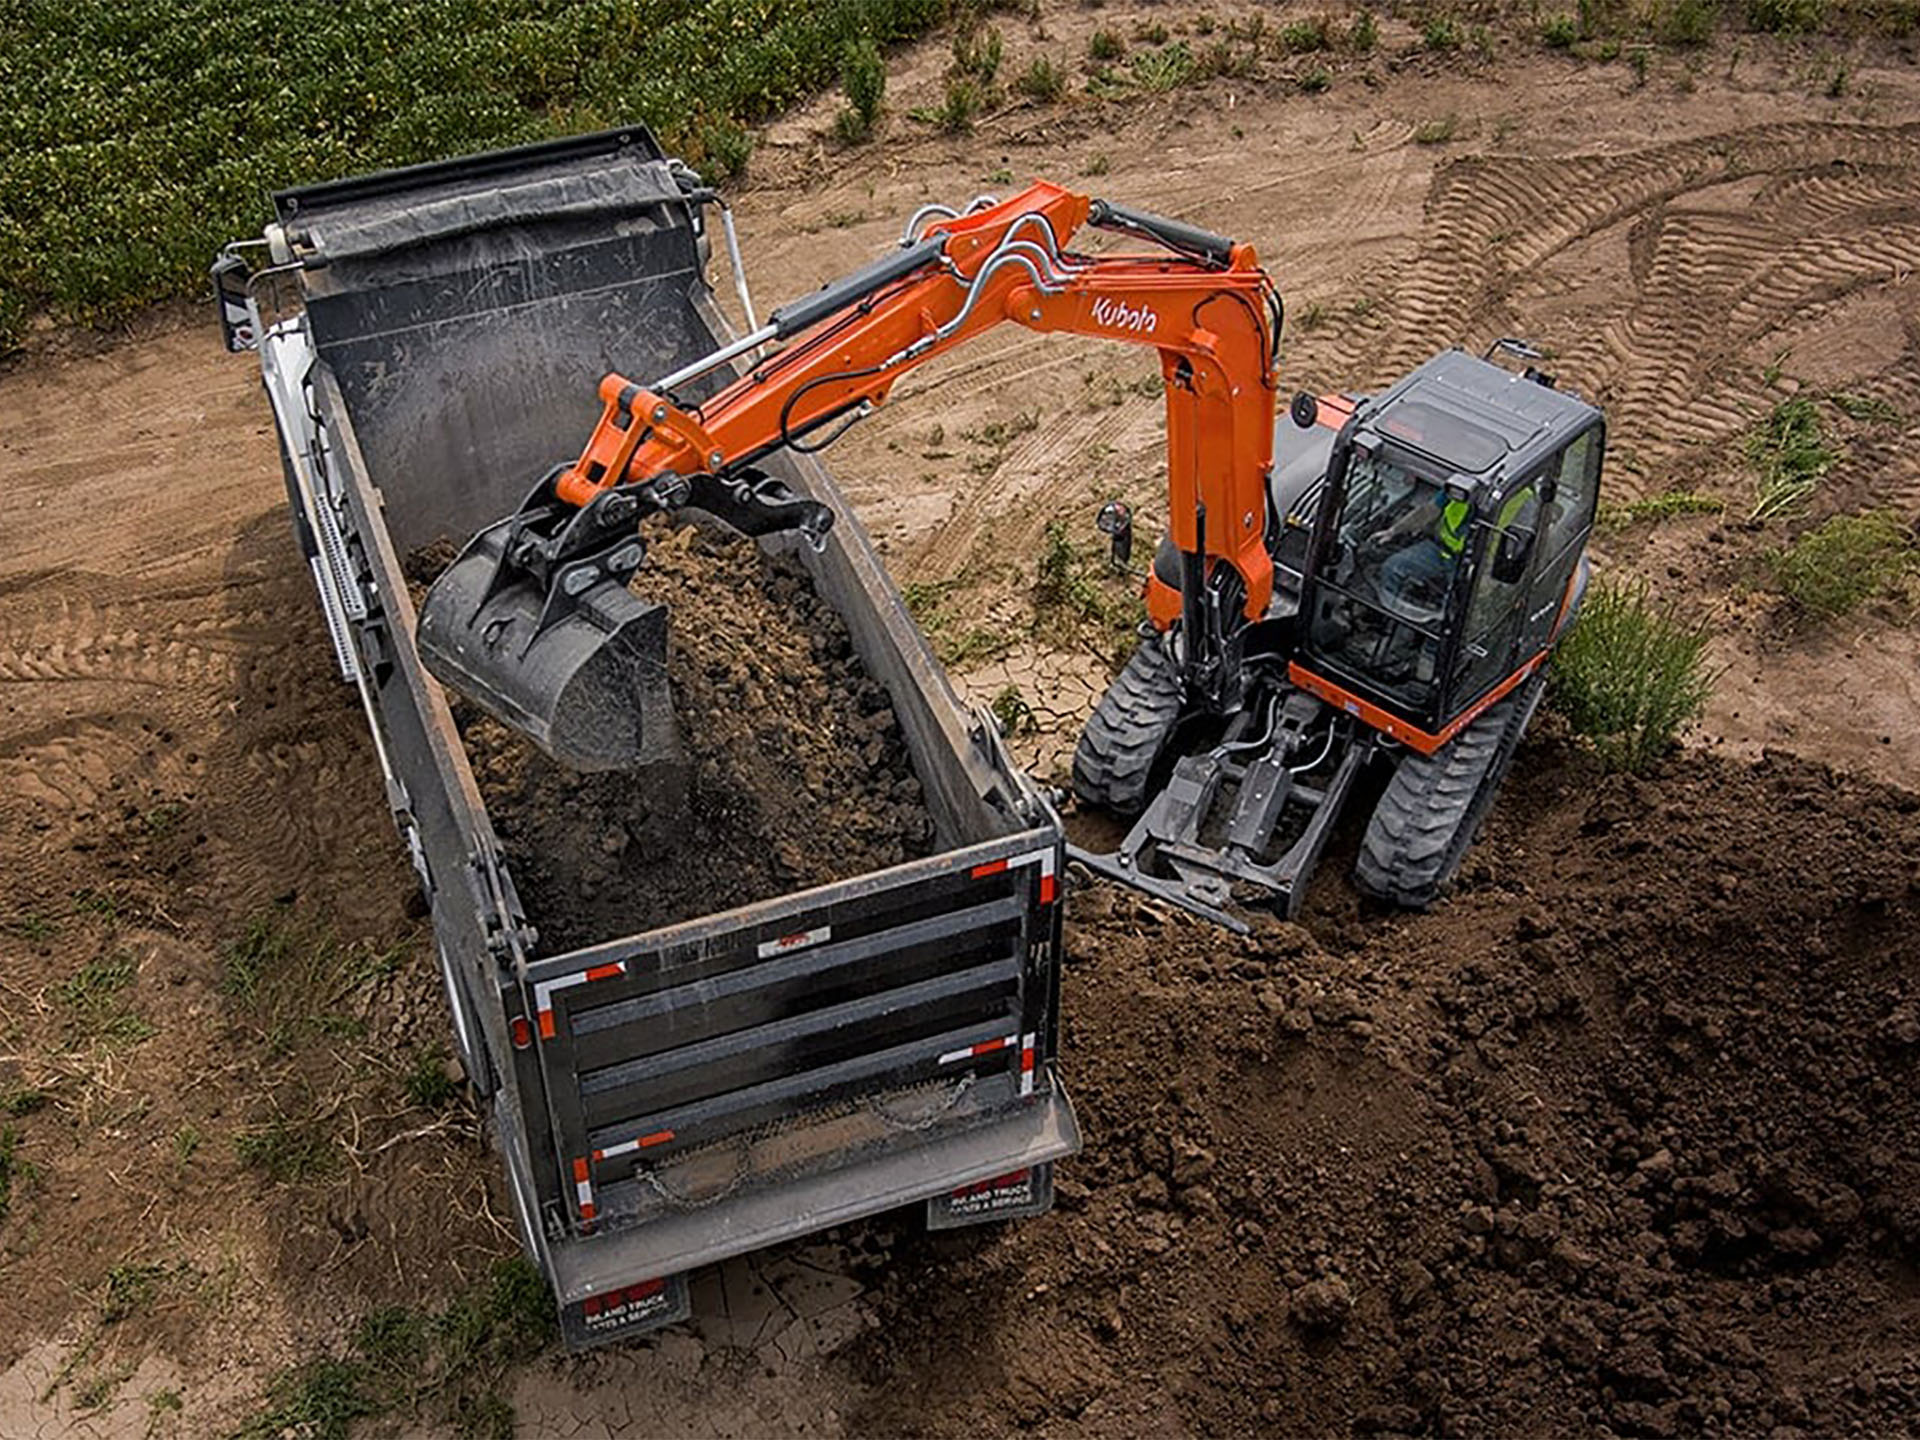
{"x":239,"y":321}
{"x":1115,"y":521}
{"x":1510,"y":560}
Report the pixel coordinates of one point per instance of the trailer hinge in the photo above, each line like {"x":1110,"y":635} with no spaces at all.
{"x":505,"y":930}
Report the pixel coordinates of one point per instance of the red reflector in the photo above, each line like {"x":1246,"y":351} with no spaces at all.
{"x":546,"y":1025}
{"x":604,"y":972}
{"x":1046,"y":889}
{"x":659,"y":1137}
{"x":579,"y":1171}
{"x":987,"y":1047}
{"x":522,"y":1032}
{"x":992,"y":867}
{"x":587,"y":1211}
{"x":1026,"y":1059}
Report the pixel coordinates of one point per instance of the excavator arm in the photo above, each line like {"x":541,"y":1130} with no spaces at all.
{"x":562,"y":563}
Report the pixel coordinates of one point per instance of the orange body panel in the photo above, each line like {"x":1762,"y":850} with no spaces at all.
{"x":1210,"y":326}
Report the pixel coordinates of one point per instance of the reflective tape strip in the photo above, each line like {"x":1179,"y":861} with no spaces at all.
{"x":1026,"y":1062}
{"x":985,"y":1047}
{"x":543,"y":992}
{"x":583,"y":1189}
{"x":627,"y":1147}
{"x":786,"y":944}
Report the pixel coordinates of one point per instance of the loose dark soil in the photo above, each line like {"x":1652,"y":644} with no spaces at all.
{"x":1618,"y":1141}
{"x":796,"y":772}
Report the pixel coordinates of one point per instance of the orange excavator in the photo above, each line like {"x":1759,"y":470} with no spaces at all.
{"x":1363,"y":581}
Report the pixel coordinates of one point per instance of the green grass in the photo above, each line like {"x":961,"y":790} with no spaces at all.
{"x":1305,"y":36}
{"x":97,"y":1008}
{"x":1791,"y":453}
{"x":1665,"y":506}
{"x":1071,"y":602}
{"x":1166,"y":68}
{"x":863,"y":77}
{"x":130,"y":1289}
{"x":441,"y":1369}
{"x":427,"y":1084}
{"x":1630,"y":675}
{"x":1105,"y":45}
{"x":13,"y":1167}
{"x":286,"y":1151}
{"x":1786,"y":17}
{"x":1364,"y":33}
{"x":1440,"y":32}
{"x":1011,"y":710}
{"x":1867,"y":409}
{"x":1042,"y":80}
{"x":1836,"y":568}
{"x":1436,"y":132}
{"x":1560,"y":31}
{"x":140,"y":135}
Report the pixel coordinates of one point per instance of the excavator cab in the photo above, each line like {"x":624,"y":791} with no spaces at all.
{"x":1453,"y":516}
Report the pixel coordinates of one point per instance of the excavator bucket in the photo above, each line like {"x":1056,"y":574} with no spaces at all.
{"x":583,"y":676}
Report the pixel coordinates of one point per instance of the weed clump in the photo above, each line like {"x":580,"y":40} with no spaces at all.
{"x":863,"y":79}
{"x":1560,"y":31}
{"x":1665,"y":506}
{"x":1364,"y":33}
{"x":1105,"y":46}
{"x":1042,"y":80}
{"x":1440,"y":32}
{"x":1786,"y":17}
{"x":1836,"y":568}
{"x":1687,"y":23}
{"x":1791,"y":454}
{"x":1630,"y":675}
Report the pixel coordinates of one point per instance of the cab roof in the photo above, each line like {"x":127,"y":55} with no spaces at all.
{"x":1477,"y":420}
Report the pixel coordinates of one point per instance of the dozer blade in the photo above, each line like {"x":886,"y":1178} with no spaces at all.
{"x":584,"y":678}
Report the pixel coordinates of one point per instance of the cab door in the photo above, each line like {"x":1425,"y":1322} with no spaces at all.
{"x":1566,"y":522}
{"x":1495,"y":615}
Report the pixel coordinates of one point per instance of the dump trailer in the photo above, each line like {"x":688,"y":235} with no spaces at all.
{"x":665,"y":1100}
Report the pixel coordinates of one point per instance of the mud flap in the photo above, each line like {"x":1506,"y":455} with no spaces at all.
{"x":1017,"y":1196}
{"x":625,"y":1312}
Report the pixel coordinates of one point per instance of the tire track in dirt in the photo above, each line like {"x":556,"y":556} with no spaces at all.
{"x":1834,"y":213}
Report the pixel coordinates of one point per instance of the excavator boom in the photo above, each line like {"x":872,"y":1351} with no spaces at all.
{"x":534,"y":620}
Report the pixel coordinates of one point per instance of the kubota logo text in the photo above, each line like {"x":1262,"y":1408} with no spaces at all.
{"x":1122,"y":316}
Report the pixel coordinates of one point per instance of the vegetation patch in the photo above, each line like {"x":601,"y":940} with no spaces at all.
{"x":442,"y":1369}
{"x":1630,"y":675}
{"x":13,"y":1167}
{"x":1665,"y":506}
{"x":1836,"y":568}
{"x":863,"y":79}
{"x":98,"y":1010}
{"x":140,"y":135}
{"x":287,"y":1150}
{"x":1791,"y":453}
{"x":1074,"y":598}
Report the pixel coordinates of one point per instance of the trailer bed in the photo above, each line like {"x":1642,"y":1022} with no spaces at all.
{"x":662,"y":1100}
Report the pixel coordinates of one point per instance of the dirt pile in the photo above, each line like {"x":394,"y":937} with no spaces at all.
{"x":1618,"y":1141}
{"x":797,"y":774}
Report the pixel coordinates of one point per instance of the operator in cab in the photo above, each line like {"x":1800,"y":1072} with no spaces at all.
{"x":1417,"y":573}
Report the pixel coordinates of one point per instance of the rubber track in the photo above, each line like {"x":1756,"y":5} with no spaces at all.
{"x":1128,"y":729}
{"x":1434,"y":805}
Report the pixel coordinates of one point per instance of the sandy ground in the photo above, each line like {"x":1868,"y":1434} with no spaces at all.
{"x":178,"y":758}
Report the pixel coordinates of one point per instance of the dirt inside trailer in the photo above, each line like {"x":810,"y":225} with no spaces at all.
{"x":795,"y":771}
{"x":1618,"y":1141}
